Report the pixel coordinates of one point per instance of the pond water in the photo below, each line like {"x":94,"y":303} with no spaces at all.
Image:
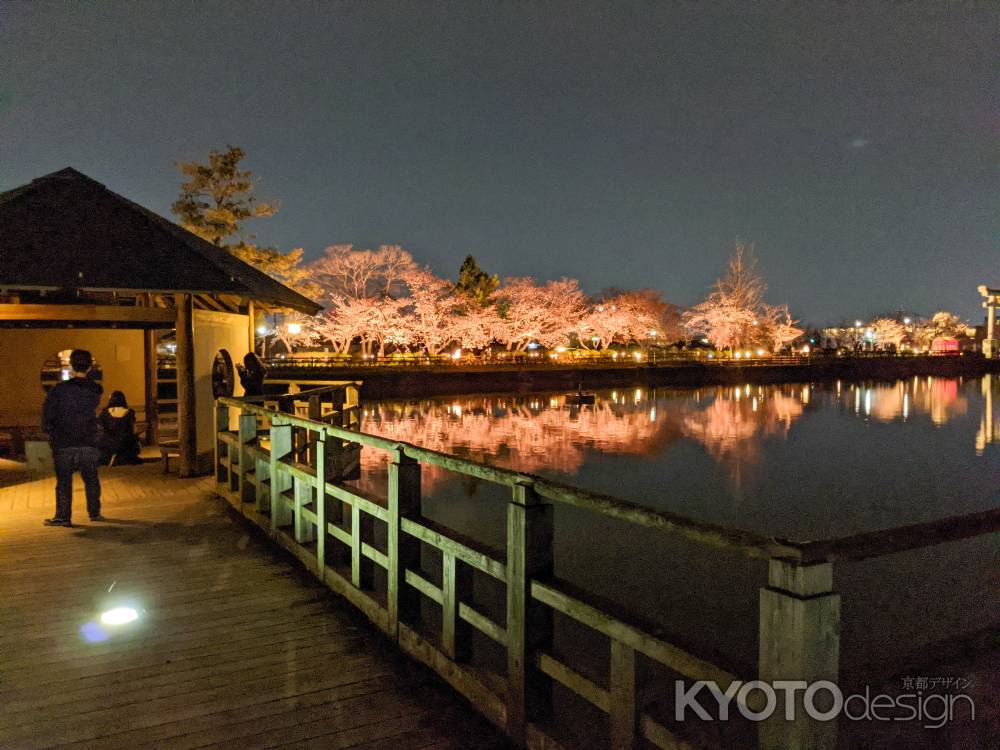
{"x":805,"y":461}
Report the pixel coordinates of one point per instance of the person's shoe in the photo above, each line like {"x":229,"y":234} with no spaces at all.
{"x":98,"y":517}
{"x":58,"y":522}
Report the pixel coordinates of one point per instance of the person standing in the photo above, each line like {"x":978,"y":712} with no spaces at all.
{"x":252,"y":373}
{"x":69,"y":416}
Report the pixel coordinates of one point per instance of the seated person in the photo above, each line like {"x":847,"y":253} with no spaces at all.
{"x":118,"y":438}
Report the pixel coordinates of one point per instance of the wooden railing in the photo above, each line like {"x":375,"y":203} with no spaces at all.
{"x":551,"y":360}
{"x":286,"y":473}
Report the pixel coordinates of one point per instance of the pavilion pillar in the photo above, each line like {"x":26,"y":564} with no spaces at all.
{"x":187,"y":431}
{"x":151,"y":373}
{"x":251,"y":314}
{"x":991,"y":298}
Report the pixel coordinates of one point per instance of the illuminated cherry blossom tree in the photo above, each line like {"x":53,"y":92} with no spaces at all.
{"x":734,"y":314}
{"x":778,"y":329}
{"x":341,"y":323}
{"x":887,"y":331}
{"x":431,"y":309}
{"x":295,"y":330}
{"x":623,"y":318}
{"x":546,"y":313}
{"x":943,"y":325}
{"x":362,"y":274}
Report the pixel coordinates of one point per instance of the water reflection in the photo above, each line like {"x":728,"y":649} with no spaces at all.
{"x":940,"y":399}
{"x":550,"y":432}
{"x":799,"y":460}
{"x":529,"y":433}
{"x":730,"y":422}
{"x":802,"y":461}
{"x":989,"y":428}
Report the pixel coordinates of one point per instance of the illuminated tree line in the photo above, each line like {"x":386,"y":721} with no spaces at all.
{"x":383,"y":301}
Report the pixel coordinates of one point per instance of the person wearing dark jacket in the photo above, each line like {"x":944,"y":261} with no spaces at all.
{"x":119,"y":442}
{"x":69,"y":416}
{"x":252,"y":373}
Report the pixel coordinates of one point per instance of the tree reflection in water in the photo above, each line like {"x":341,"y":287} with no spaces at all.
{"x":528,"y":433}
{"x":543,"y":432}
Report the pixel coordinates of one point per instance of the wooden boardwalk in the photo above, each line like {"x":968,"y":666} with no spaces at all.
{"x":235,"y":646}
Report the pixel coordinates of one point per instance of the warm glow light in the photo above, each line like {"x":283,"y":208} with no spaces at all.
{"x":906,"y":321}
{"x":737,"y":355}
{"x":560,"y":349}
{"x":261,"y":330}
{"x":760,"y":352}
{"x":119,"y":616}
{"x":857,"y":324}
{"x":294,"y":328}
{"x":457,"y":354}
{"x":805,"y":349}
{"x":638,"y":356}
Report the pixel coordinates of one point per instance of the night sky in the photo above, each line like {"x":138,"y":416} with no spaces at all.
{"x":626,"y":144}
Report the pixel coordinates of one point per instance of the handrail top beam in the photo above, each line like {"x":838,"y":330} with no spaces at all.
{"x":852,"y":547}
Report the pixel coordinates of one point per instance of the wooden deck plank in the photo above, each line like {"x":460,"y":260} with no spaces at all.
{"x":236,"y":646}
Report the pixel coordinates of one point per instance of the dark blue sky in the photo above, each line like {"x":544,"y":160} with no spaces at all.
{"x":623,"y":143}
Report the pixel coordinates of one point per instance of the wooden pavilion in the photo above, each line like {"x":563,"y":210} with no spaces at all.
{"x":83,"y":267}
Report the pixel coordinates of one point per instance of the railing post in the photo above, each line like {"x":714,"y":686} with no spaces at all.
{"x":624,"y":718}
{"x":281,"y":447}
{"x":529,"y":624}
{"x":303,"y":496}
{"x":403,"y":550}
{"x":362,"y":569}
{"x":321,"y":530}
{"x":799,"y":640}
{"x":221,"y":425}
{"x":456,"y":587}
{"x":247,"y":435}
{"x":263,"y":493}
{"x":315,"y":407}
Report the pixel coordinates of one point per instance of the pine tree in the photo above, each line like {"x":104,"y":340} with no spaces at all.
{"x":475,"y":283}
{"x":217,"y":199}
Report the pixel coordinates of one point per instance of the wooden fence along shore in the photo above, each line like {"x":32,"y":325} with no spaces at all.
{"x":284,"y":469}
{"x":415,"y":378}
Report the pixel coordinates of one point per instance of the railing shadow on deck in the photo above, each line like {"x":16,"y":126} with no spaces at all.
{"x":284,"y":466}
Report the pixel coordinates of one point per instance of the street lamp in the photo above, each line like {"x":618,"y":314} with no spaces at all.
{"x":295,"y":328}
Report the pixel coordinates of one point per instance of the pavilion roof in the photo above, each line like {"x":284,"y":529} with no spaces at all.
{"x":68,"y":231}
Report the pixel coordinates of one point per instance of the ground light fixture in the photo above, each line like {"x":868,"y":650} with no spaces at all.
{"x":119,"y":616}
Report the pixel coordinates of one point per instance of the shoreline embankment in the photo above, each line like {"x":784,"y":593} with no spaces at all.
{"x":413,"y":382}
